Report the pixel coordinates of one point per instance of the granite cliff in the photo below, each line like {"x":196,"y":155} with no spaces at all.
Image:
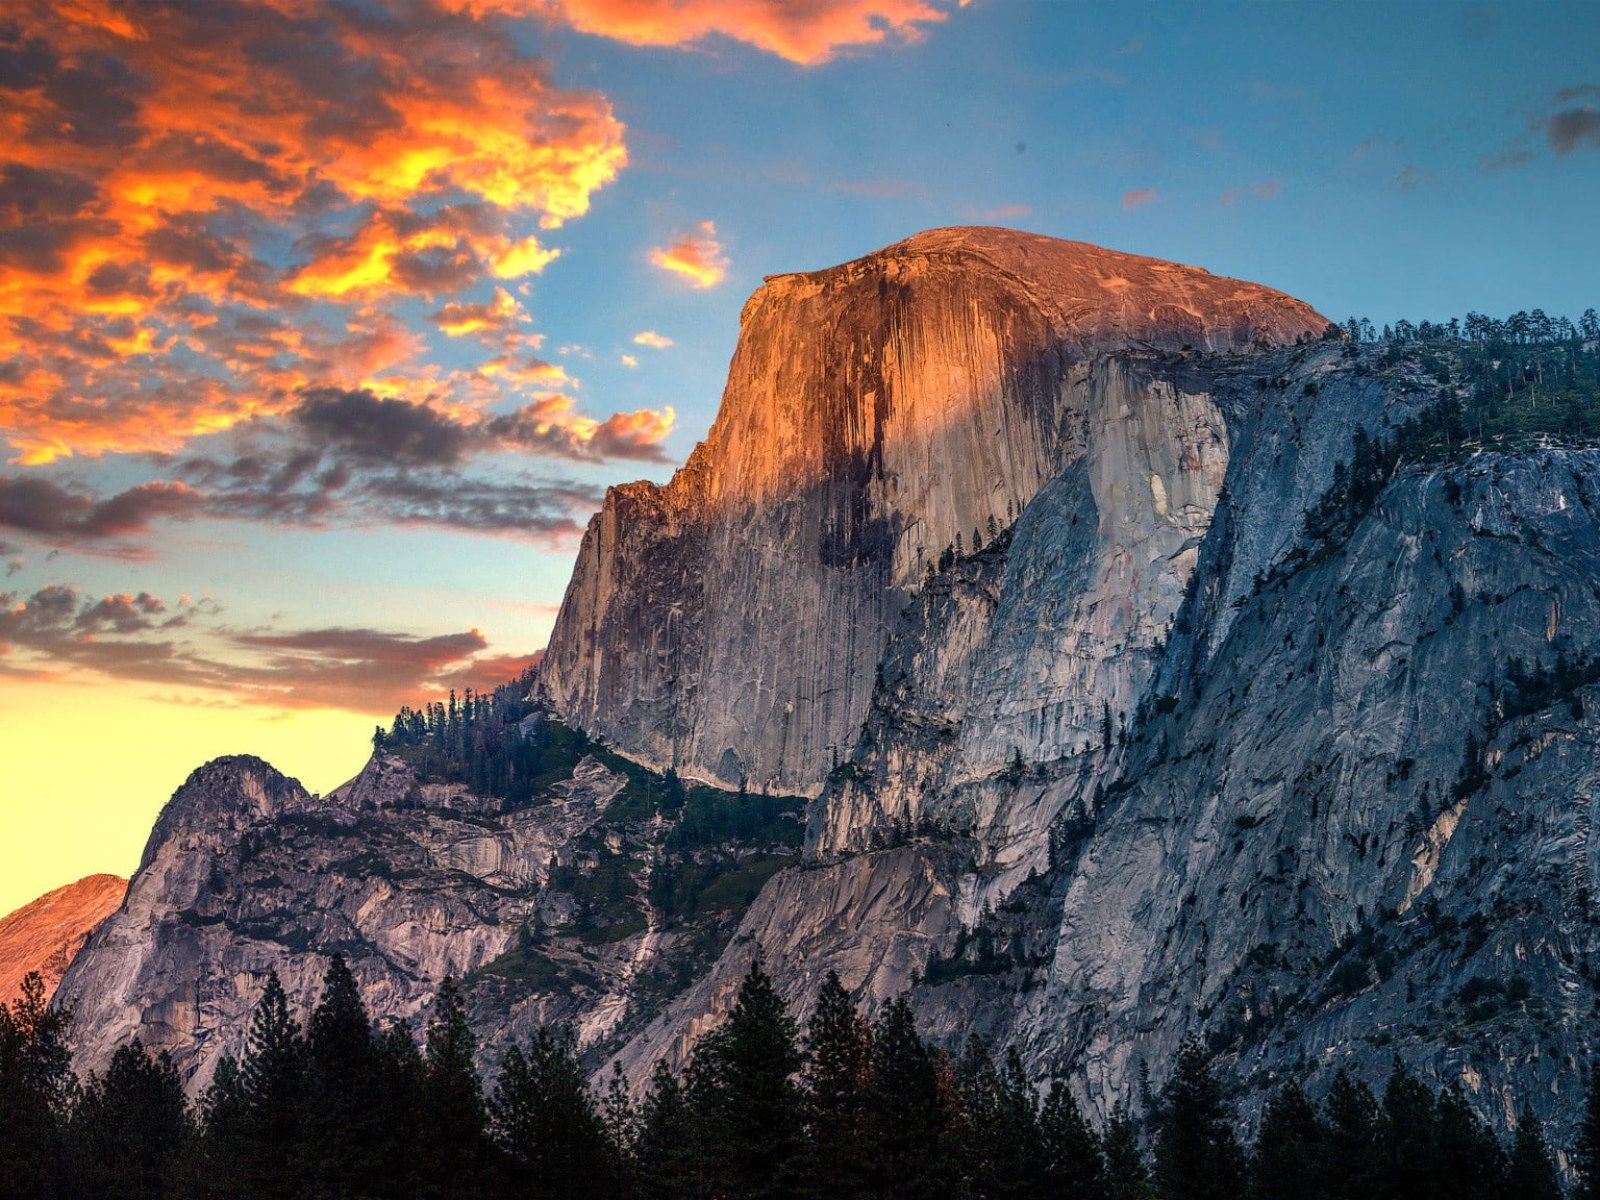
{"x":46,"y":934}
{"x":1120,"y":712}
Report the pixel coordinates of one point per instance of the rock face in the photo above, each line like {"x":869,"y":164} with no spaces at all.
{"x":1028,"y":563}
{"x":730,"y":623}
{"x":44,"y":936}
{"x":542,"y":910}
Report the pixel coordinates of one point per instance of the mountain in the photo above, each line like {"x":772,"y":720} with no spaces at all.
{"x":1104,"y":652}
{"x":45,"y":935}
{"x":876,"y":414}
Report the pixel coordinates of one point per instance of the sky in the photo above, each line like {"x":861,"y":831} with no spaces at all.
{"x":324,"y":325}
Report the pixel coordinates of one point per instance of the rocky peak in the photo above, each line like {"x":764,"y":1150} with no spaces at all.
{"x":877,"y":415}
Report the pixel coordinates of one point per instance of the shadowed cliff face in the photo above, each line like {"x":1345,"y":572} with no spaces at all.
{"x":877,"y":414}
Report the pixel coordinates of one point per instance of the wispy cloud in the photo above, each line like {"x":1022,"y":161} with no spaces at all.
{"x":652,"y":339}
{"x":1137,"y":198}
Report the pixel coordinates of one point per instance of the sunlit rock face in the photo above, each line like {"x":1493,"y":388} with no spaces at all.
{"x":46,"y":935}
{"x":876,"y":414}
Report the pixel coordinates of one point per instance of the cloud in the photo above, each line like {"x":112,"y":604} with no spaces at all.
{"x":1574,"y":128}
{"x":1005,"y":212}
{"x":205,"y":208}
{"x":499,"y":318}
{"x":377,"y":429}
{"x":629,"y":360}
{"x":649,"y":337}
{"x":1412,"y":177}
{"x":1137,"y":198}
{"x":698,"y":257}
{"x":1265,"y":189}
{"x":808,"y":34}
{"x":135,"y":636}
{"x":52,"y":513}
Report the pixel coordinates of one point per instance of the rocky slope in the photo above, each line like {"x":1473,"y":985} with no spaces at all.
{"x":45,"y":935}
{"x":544,"y":910}
{"x":1122,"y":715}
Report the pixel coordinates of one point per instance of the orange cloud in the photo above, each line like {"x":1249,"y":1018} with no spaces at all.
{"x":176,"y":176}
{"x":807,"y":33}
{"x":501,"y":314}
{"x":649,"y":337}
{"x":1137,"y":198}
{"x":698,"y":257}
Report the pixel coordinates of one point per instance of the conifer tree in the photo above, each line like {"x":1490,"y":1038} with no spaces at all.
{"x":1288,"y":1161}
{"x":746,"y":1099}
{"x":130,"y":1131}
{"x":1127,"y":1176}
{"x":343,"y":1144}
{"x":1197,"y":1154}
{"x":910,"y":1113}
{"x":1407,"y":1153}
{"x":1350,"y":1163}
{"x":1586,"y":1152}
{"x":1469,"y":1163}
{"x":36,"y":1087}
{"x":1071,"y":1163}
{"x":1531,"y":1171}
{"x":453,"y":1148}
{"x":544,"y":1120}
{"x":269,"y":1103}
{"x":401,"y":1078}
{"x":834,"y":1088}
{"x":977,"y":1140}
{"x":665,"y":1150}
{"x":1018,"y":1152}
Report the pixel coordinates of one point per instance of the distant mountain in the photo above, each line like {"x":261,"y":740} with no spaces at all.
{"x":1104,"y":652}
{"x":47,"y":934}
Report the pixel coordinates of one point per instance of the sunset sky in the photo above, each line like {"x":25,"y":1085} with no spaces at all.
{"x":323,"y":326}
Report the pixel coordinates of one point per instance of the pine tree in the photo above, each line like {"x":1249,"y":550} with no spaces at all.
{"x":1531,"y":1172}
{"x":1018,"y":1141}
{"x":1586,"y":1152}
{"x":130,"y":1131}
{"x":978,"y":1138}
{"x":260,"y":1156}
{"x":36,"y":1088}
{"x":1407,"y":1138}
{"x":1350,"y":1165}
{"x":1197,"y":1155}
{"x":1287,"y":1163}
{"x":343,"y":1145}
{"x":745,"y":1096}
{"x":544,"y":1120}
{"x":401,"y":1079}
{"x":453,"y":1148}
{"x":909,"y":1112}
{"x":1470,"y":1163}
{"x":1127,"y":1176}
{"x":834,"y":1090}
{"x":665,"y":1150}
{"x":1071,"y":1162}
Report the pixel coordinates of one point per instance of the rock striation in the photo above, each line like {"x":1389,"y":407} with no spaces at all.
{"x":876,"y":414}
{"x":45,"y":935}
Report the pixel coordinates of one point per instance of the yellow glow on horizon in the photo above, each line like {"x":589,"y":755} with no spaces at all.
{"x":88,"y":767}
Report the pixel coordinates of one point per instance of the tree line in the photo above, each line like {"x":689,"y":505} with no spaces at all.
{"x":762,"y":1110}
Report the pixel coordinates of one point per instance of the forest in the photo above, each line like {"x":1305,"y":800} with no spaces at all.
{"x":764,"y":1107}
